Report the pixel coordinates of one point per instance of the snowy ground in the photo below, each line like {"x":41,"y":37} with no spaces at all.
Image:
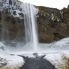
{"x":13,"y":61}
{"x":54,"y":54}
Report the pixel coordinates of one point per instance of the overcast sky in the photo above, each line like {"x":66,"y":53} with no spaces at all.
{"x":49,"y":3}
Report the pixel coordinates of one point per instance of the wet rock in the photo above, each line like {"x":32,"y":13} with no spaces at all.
{"x":3,"y":62}
{"x":37,"y":63}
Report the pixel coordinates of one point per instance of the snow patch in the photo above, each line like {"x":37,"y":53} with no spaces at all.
{"x":13,"y":61}
{"x":62,"y":42}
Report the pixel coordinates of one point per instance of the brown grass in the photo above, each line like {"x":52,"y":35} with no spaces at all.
{"x":7,"y":67}
{"x":65,"y":63}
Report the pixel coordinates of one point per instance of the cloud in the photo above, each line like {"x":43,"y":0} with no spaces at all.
{"x":49,"y":3}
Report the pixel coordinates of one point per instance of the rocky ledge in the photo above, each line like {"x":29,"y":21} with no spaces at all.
{"x":53,"y":24}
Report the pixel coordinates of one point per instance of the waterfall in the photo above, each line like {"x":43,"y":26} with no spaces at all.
{"x":9,"y":35}
{"x":30,"y":25}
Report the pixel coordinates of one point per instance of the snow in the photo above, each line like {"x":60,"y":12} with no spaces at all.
{"x":62,"y":42}
{"x":55,"y":59}
{"x":11,"y":8}
{"x":55,"y":56}
{"x":13,"y":61}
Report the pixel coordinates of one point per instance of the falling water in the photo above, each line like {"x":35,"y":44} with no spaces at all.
{"x":30,"y":25}
{"x":34,"y":28}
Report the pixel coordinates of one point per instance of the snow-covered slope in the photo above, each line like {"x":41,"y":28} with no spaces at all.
{"x":60,"y":45}
{"x":13,"y":61}
{"x":62,"y":42}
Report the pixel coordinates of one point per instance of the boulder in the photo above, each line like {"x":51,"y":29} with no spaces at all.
{"x":37,"y":62}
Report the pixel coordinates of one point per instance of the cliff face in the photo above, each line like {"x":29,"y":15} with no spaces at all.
{"x":11,"y":21}
{"x":53,"y":24}
{"x":11,"y":28}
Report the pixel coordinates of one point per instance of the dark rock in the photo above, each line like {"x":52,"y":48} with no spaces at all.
{"x":12,"y":27}
{"x":10,"y":2}
{"x":37,"y":63}
{"x":53,"y":24}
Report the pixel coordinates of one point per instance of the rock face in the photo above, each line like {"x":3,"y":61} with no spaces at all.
{"x":11,"y":28}
{"x":11,"y":21}
{"x":37,"y":63}
{"x":53,"y":24}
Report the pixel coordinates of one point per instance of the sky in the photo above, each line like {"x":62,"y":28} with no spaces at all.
{"x":49,"y":3}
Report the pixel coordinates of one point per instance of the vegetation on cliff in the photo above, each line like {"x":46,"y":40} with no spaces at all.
{"x":53,"y":24}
